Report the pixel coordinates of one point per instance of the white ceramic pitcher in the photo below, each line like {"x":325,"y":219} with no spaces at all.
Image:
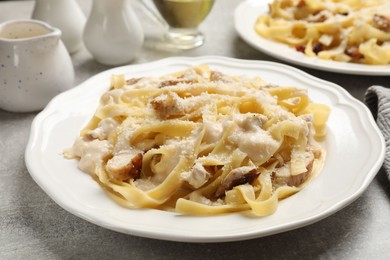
{"x":34,"y":65}
{"x":113,"y":34}
{"x":65,"y":15}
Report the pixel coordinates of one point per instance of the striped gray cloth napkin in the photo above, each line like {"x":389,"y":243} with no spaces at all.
{"x":377,"y":98}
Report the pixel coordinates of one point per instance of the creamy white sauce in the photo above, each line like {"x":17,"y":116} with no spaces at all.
{"x":104,"y":129}
{"x":197,"y":176}
{"x":91,"y":153}
{"x":251,"y":138}
{"x":213,"y":131}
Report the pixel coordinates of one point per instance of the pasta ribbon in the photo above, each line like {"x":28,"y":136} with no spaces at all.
{"x":202,"y":142}
{"x":356,"y":31}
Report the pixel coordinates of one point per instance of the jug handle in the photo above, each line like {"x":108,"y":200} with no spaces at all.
{"x":154,"y":13}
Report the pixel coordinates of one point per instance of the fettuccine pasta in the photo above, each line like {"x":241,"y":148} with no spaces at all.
{"x":355,"y":31}
{"x":201,"y":142}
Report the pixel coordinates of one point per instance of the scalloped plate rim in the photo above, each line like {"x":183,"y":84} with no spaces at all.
{"x":244,"y":27}
{"x":107,"y":221}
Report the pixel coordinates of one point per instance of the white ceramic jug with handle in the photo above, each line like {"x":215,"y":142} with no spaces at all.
{"x":34,"y":65}
{"x":113,"y":34}
{"x":65,"y":15}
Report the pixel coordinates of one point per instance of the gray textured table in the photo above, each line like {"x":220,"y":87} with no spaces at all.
{"x":32,"y":226}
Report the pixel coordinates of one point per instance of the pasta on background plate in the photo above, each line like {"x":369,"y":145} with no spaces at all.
{"x":356,"y":31}
{"x":202,"y":142}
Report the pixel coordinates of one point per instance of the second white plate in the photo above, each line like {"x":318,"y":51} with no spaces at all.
{"x":355,"y":152}
{"x":245,"y":17}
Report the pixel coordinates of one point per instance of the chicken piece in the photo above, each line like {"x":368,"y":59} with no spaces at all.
{"x":124,"y":166}
{"x":300,"y":48}
{"x":132,"y":81}
{"x":168,"y":105}
{"x":381,"y":22}
{"x":282,"y":176}
{"x":238,"y":176}
{"x":174,"y":82}
{"x":353,"y":52}
{"x":218,"y":76}
{"x":318,"y":47}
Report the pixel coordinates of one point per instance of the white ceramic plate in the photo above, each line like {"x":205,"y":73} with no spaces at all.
{"x":354,"y":143}
{"x":245,"y":17}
